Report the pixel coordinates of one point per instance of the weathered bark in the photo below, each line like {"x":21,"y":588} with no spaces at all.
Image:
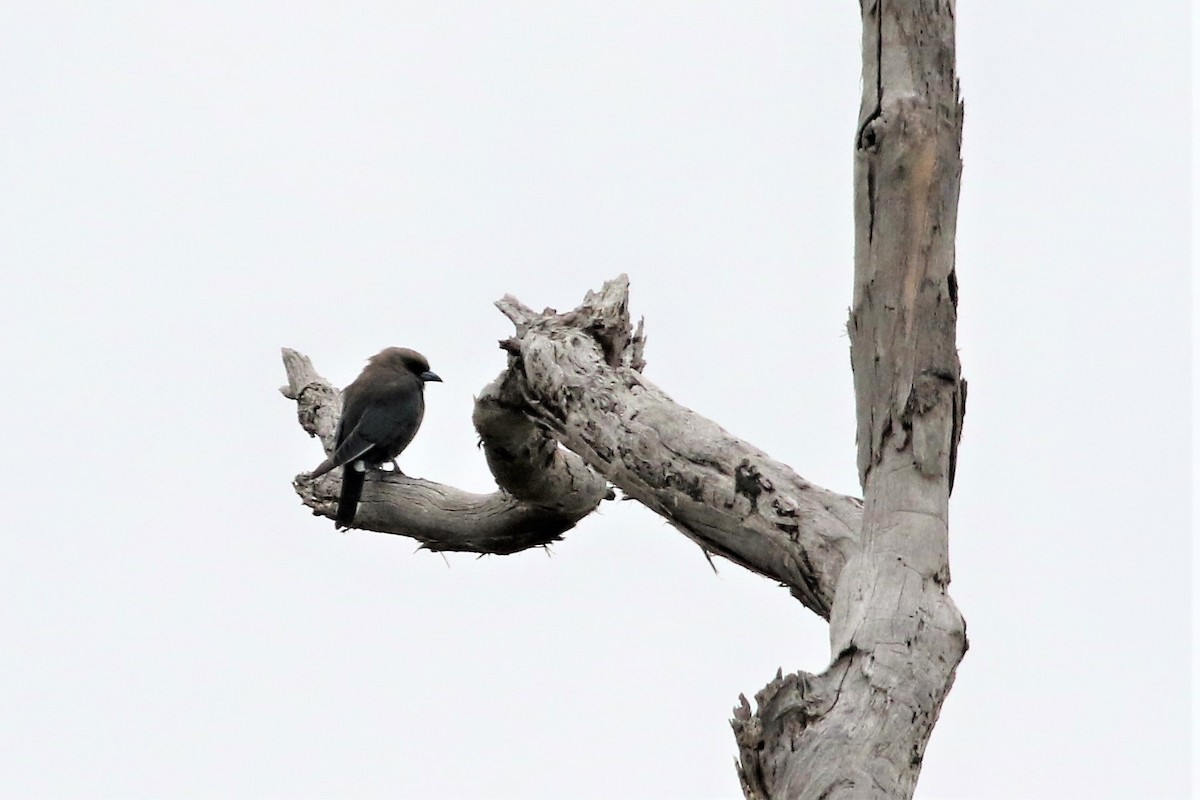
{"x":879,"y":573}
{"x":582,"y":380}
{"x":860,"y":728}
{"x":575,"y":379}
{"x":544,"y":489}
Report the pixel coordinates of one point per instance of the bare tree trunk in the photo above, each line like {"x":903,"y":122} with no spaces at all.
{"x":860,"y":728}
{"x":878,"y":570}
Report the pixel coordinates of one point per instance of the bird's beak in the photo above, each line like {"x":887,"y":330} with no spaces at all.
{"x":430,"y":376}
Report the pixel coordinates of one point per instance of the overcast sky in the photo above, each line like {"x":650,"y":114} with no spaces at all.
{"x":188,"y":187}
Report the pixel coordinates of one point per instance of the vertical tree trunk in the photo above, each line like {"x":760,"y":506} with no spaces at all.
{"x":891,"y":611}
{"x":879,"y":569}
{"x":860,"y":728}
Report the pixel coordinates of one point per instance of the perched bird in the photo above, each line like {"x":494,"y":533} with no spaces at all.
{"x":381,"y":412}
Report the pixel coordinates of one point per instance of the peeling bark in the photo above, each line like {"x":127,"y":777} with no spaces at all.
{"x":894,"y":631}
{"x":575,"y":379}
{"x":582,"y":380}
{"x":572,"y":412}
{"x":544,"y":490}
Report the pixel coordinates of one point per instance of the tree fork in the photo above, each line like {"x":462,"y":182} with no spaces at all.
{"x":877,"y":571}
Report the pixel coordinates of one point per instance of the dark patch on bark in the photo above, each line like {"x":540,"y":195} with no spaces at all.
{"x":750,"y":483}
{"x":960,"y":411}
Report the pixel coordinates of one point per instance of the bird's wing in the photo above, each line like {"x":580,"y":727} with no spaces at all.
{"x":350,"y":445}
{"x":380,"y":415}
{"x":389,"y":426}
{"x":354,"y":443}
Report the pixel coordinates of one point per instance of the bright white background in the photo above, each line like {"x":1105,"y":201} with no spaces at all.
{"x":187,"y":187}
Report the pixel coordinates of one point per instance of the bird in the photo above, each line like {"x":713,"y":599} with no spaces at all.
{"x":381,"y":412}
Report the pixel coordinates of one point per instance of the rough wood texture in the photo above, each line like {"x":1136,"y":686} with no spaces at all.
{"x":544,"y":490}
{"x":878,"y":572}
{"x":580,"y":375}
{"x":575,"y":379}
{"x":860,"y":728}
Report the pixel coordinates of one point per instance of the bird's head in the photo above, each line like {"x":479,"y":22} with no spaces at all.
{"x":402,"y":358}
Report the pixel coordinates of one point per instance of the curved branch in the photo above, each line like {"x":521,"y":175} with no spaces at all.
{"x":574,"y":379}
{"x":544,"y":491}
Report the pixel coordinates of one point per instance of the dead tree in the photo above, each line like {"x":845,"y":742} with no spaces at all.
{"x":877,"y":569}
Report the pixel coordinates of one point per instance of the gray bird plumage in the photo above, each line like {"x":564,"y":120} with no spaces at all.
{"x":381,"y":412}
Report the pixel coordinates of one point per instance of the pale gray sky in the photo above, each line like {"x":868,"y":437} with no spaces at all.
{"x":190,"y":186}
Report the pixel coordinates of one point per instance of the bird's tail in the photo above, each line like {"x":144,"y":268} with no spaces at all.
{"x":352,"y":488}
